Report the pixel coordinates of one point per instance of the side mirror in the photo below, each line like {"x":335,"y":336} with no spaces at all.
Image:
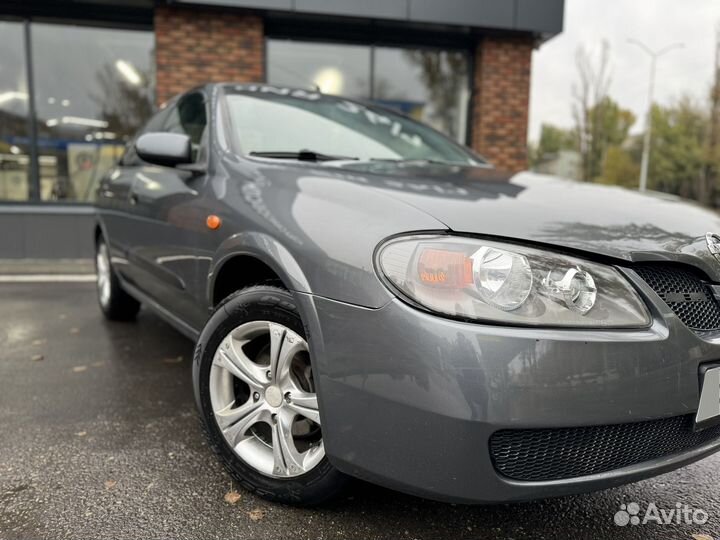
{"x":166,"y":149}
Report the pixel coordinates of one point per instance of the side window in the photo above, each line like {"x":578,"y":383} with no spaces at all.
{"x":189,"y":117}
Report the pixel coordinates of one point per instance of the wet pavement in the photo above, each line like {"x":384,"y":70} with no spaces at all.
{"x":99,"y":439}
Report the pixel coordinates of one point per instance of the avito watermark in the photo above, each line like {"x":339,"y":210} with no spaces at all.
{"x":632,"y":514}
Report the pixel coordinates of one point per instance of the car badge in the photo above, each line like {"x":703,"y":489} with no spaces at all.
{"x":713,"y":243}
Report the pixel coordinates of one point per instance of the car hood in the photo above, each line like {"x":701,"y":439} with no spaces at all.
{"x":606,"y":220}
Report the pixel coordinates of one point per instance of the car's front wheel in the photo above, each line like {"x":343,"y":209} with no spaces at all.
{"x":258,"y":401}
{"x":115,"y":303}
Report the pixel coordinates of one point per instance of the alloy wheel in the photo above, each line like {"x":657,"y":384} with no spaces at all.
{"x":264,"y":400}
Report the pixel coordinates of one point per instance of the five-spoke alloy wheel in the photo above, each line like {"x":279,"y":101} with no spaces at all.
{"x":264,"y":399}
{"x":258,"y":400}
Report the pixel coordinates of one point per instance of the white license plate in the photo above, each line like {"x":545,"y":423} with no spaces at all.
{"x":709,"y":408}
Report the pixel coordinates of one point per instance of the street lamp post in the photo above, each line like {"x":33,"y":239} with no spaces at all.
{"x":654,"y":55}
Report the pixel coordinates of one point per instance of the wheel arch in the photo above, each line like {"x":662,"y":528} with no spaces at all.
{"x":99,"y":230}
{"x":97,"y":233}
{"x":261,"y":258}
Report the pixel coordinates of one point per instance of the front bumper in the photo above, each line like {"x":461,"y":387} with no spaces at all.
{"x":410,"y":400}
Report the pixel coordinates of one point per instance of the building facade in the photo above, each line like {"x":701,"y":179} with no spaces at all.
{"x":77,"y":79}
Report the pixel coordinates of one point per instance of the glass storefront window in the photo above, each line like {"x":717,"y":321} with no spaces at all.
{"x":14,"y":140}
{"x":430,"y":85}
{"x":93,"y":90}
{"x":335,"y":69}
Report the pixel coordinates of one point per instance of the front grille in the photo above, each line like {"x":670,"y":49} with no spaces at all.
{"x":536,"y":455}
{"x":685,"y":292}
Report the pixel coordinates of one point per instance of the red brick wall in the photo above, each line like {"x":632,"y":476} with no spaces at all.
{"x":500,"y":100}
{"x":193,"y":47}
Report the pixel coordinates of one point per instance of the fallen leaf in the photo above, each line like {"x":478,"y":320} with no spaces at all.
{"x":62,"y":316}
{"x":37,"y":357}
{"x":232,"y":497}
{"x":176,"y":360}
{"x":74,"y":330}
{"x":39,"y":342}
{"x":81,"y":433}
{"x":109,"y":484}
{"x":78,"y":369}
{"x":98,"y":364}
{"x":702,"y":537}
{"x":257,"y":514}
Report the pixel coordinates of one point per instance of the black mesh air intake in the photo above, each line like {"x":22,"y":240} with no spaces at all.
{"x":685,"y":292}
{"x":556,"y":453}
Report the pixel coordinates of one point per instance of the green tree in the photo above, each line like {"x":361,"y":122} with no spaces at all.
{"x":678,"y":148}
{"x":552,"y":140}
{"x":707,"y":182}
{"x":620,"y":167}
{"x":599,"y":121}
{"x":608,"y":126}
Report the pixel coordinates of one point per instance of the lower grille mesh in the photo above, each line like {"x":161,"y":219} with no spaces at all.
{"x":558,"y":453}
{"x":684,"y":292}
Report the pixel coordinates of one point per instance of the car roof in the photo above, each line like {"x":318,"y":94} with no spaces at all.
{"x":235,"y":84}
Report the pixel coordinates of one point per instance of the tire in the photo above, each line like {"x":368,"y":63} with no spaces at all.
{"x":281,"y":473}
{"x":115,"y":303}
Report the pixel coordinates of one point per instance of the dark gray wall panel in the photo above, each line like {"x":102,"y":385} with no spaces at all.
{"x":12,"y":238}
{"x":259,"y":4}
{"x":37,"y":233}
{"x":376,"y":9}
{"x":537,"y":16}
{"x":481,"y":13}
{"x":546,"y":16}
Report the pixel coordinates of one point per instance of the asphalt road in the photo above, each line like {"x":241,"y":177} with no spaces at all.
{"x":98,"y":439}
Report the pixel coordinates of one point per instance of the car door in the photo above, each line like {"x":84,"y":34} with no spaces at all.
{"x":166,"y":218}
{"x":113,"y":199}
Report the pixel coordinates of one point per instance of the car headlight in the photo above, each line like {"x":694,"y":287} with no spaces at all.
{"x":507,"y":283}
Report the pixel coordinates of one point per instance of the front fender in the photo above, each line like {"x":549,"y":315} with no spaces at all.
{"x":266,"y":249}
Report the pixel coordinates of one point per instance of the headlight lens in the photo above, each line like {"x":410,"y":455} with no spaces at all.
{"x":503,"y":278}
{"x":495,"y":282}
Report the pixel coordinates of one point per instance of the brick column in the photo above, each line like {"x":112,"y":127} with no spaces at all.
{"x":193,"y":47}
{"x":501,"y":95}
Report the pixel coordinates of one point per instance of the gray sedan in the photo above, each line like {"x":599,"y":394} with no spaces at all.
{"x":370,"y":299}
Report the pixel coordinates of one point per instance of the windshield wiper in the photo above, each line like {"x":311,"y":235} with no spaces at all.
{"x":302,"y":155}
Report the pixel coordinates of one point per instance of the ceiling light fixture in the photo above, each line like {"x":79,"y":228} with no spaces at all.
{"x":128,"y":71}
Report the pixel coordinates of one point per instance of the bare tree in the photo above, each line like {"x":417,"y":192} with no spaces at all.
{"x":443,"y":77}
{"x":124,"y":106}
{"x":589,"y":93}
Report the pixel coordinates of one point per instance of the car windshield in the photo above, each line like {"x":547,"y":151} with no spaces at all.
{"x":296,"y":124}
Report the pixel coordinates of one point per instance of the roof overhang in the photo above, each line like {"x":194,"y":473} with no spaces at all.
{"x":542,"y":18}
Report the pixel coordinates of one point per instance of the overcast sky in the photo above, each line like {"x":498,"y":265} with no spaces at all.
{"x":655,"y":22}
